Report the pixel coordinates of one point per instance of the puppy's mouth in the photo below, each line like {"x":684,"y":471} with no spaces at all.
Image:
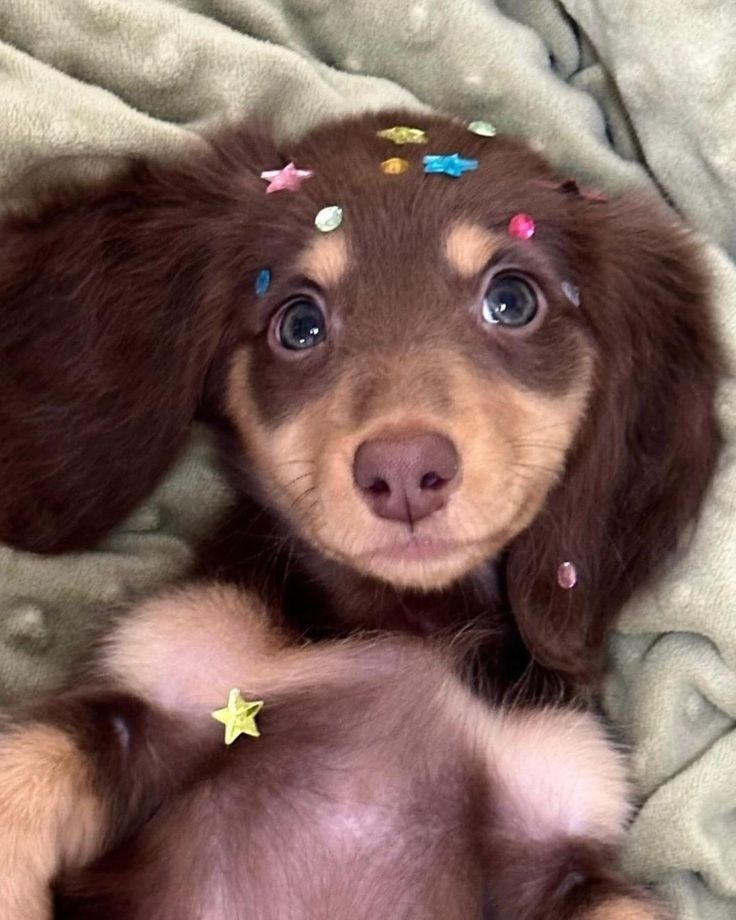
{"x":414,"y":561}
{"x":415,"y":549}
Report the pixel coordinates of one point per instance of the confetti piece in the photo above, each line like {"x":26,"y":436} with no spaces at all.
{"x":239,"y":716}
{"x":394,"y":166}
{"x":571,"y":292}
{"x":287,"y":179}
{"x":401,"y":134}
{"x":567,"y":576}
{"x":263,"y":281}
{"x":451,"y":164}
{"x":328,"y":219}
{"x":482,"y":128}
{"x":522,"y":226}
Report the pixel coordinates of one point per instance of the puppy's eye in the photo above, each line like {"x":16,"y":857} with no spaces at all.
{"x":510,"y":301}
{"x":301,"y":325}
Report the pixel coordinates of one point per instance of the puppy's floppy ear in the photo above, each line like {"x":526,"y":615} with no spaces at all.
{"x":109,"y":319}
{"x":641,"y":464}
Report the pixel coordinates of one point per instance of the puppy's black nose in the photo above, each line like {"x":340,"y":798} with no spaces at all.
{"x":406,"y":478}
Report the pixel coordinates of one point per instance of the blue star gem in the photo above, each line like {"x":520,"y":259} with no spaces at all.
{"x":263,"y":281}
{"x":451,"y":164}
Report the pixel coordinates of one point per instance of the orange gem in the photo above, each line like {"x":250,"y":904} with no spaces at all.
{"x":394,"y":166}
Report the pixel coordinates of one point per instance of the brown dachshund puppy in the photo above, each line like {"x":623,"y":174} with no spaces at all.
{"x":431,"y":408}
{"x":379,"y":787}
{"x":435,"y":396}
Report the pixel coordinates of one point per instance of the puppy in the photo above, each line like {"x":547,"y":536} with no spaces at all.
{"x":379,"y":786}
{"x":473,"y":392}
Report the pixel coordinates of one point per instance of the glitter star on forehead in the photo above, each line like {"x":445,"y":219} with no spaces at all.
{"x":239,"y":716}
{"x":401,"y":134}
{"x":448,"y":164}
{"x":288,"y":179}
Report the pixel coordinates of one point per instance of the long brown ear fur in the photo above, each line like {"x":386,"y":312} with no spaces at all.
{"x":108,"y":323}
{"x":642,"y":462}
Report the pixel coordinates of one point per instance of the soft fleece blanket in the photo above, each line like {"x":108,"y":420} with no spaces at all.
{"x":618,"y":92}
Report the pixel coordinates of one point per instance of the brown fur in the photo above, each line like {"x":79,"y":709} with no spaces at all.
{"x":127,"y":311}
{"x":380,"y":787}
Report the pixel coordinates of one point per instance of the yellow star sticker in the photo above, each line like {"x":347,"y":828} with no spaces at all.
{"x":239,"y":716}
{"x":402,"y":134}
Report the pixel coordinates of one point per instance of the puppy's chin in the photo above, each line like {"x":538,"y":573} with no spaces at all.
{"x":416,"y":563}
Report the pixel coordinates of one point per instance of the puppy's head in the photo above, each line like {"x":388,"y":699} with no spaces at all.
{"x":421,"y":389}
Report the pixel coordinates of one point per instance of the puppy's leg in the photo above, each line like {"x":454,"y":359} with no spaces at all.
{"x":74,"y":774}
{"x":561,"y":803}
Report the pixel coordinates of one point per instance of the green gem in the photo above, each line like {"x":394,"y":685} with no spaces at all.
{"x":328,"y":218}
{"x":483,"y":128}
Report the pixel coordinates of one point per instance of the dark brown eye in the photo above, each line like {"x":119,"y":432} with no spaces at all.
{"x":510,"y":301}
{"x":302,"y":325}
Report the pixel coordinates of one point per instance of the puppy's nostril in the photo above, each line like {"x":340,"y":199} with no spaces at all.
{"x":432,"y":481}
{"x":379,"y":487}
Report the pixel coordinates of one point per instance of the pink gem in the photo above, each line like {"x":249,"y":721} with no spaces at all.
{"x":567,"y":576}
{"x":287,"y":179}
{"x":522,"y":225}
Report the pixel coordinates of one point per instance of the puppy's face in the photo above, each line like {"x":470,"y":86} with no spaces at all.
{"x":408,"y":387}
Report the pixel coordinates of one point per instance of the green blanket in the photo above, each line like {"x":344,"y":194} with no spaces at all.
{"x":618,"y":93}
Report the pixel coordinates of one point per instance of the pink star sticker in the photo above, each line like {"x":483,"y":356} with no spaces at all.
{"x":287,"y":179}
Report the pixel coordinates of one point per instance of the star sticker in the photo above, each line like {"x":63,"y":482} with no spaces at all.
{"x":287,"y":179}
{"x":239,"y":716}
{"x":451,"y":164}
{"x":402,"y":134}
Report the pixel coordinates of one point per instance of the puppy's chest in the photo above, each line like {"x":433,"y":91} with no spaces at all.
{"x":324,"y":848}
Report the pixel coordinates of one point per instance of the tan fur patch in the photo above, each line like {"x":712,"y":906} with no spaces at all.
{"x":50,"y":817}
{"x":186,"y":650}
{"x":468,"y":248}
{"x":559,"y":775}
{"x":325,"y":260}
{"x":625,"y":909}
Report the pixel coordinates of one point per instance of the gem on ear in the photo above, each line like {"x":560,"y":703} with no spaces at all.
{"x":567,"y":576}
{"x":522,"y":226}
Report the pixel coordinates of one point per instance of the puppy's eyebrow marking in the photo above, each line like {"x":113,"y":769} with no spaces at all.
{"x":468,"y":247}
{"x":326,"y":260}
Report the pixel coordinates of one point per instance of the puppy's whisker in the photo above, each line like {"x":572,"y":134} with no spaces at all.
{"x":537,"y":468}
{"x":298,"y":478}
{"x":541,"y":445}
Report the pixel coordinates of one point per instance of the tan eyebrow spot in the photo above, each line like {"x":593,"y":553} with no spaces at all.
{"x":326,"y":260}
{"x":468,"y":248}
